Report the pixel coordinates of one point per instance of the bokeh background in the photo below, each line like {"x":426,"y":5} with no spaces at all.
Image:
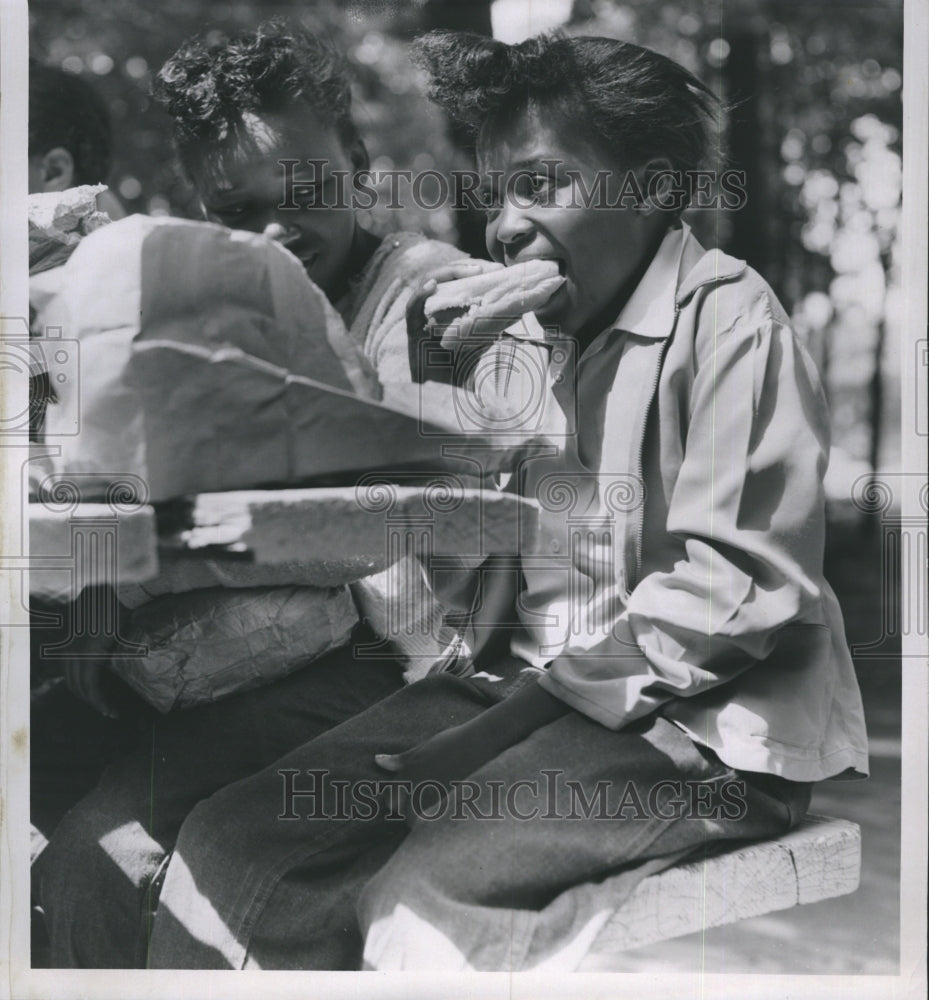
{"x":815,"y":121}
{"x":816,"y":125}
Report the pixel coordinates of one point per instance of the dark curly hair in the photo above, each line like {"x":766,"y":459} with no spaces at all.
{"x":211,"y":82}
{"x":629,"y":101}
{"x":66,"y":111}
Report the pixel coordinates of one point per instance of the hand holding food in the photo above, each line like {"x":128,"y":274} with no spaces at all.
{"x":473,"y":298}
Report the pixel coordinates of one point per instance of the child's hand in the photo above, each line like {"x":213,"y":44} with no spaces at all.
{"x":442,"y":759}
{"x":453,"y":753}
{"x":420,"y":330}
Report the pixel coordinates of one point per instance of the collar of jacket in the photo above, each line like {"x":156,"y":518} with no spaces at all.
{"x":680,"y":268}
{"x":711,"y":267}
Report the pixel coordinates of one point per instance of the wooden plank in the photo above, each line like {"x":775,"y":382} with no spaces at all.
{"x":181,"y":570}
{"x":819,"y":860}
{"x":370,"y":526}
{"x":312,"y":537}
{"x":827,"y":858}
{"x":76,"y":545}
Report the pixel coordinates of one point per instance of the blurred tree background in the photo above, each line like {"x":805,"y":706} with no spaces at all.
{"x":815,"y":122}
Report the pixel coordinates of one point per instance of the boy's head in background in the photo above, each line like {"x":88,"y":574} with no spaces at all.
{"x":70,"y":138}
{"x":241,"y":106}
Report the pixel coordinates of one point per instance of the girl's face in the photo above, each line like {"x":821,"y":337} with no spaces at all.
{"x":553,"y":201}
{"x":312,"y":217}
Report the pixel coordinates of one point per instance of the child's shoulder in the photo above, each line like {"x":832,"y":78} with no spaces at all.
{"x":729,"y":297}
{"x":410,"y":255}
{"x":398,"y":267}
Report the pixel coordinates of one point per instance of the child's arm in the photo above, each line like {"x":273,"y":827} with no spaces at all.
{"x":747,"y":502}
{"x":457,"y":752}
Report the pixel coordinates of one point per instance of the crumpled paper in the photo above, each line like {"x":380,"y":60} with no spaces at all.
{"x":208,"y":644}
{"x":58,"y":221}
{"x":210,"y":362}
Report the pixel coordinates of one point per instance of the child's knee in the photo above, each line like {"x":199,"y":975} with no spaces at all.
{"x":91,"y":880}
{"x":73,"y":857}
{"x":407,"y":920}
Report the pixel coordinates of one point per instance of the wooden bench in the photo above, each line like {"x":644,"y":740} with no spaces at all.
{"x":328,"y":536}
{"x":819,"y":860}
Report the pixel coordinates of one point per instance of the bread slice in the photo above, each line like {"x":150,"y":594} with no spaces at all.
{"x":501,"y":292}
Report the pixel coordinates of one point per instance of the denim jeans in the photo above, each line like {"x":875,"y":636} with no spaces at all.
{"x":94,"y":877}
{"x":499,"y":891}
{"x":269,"y":872}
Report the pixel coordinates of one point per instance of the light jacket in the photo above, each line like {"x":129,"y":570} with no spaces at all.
{"x":716,"y":428}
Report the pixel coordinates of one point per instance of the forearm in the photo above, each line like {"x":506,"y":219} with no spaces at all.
{"x":513,"y":719}
{"x":457,"y":752}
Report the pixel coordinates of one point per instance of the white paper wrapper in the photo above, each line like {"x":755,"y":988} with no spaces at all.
{"x":504,"y":292}
{"x":208,"y":362}
{"x":58,"y":221}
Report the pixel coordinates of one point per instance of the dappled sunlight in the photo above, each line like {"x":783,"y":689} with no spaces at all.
{"x":183,"y":901}
{"x":405,"y":940}
{"x":134,"y":851}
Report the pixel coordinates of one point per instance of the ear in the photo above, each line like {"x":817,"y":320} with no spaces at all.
{"x":57,"y":170}
{"x":663,"y":188}
{"x":358,"y":153}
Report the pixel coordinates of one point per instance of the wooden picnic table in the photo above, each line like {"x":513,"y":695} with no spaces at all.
{"x":332,"y":535}
{"x":316,"y":537}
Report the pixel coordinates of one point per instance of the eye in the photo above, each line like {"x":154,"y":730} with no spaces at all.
{"x":542,"y":186}
{"x":540,"y":183}
{"x":490,"y":199}
{"x":533,"y":187}
{"x":306,"y":194}
{"x":232,"y":211}
{"x":315,"y":194}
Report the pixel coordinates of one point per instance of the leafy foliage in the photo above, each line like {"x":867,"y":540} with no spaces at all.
{"x":815,"y":120}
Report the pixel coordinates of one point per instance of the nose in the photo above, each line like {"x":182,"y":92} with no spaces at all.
{"x":512,"y":228}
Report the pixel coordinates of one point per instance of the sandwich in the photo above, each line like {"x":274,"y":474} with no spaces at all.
{"x":502,"y":293}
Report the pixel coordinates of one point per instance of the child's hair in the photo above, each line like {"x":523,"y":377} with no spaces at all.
{"x":636,"y":105}
{"x":211,"y":82}
{"x":66,"y":111}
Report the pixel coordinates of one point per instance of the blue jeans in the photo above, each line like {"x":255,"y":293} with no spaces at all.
{"x":274,"y":871}
{"x":94,"y":878}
